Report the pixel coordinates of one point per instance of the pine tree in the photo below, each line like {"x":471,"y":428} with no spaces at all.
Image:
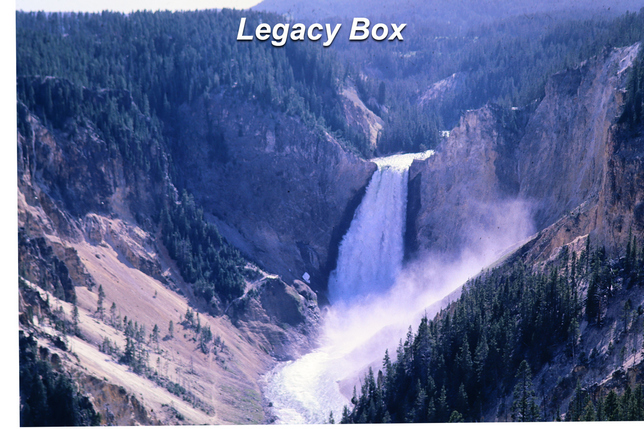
{"x":456,"y":417}
{"x":386,"y":418}
{"x":636,"y":409}
{"x":204,"y":339}
{"x":101,"y":296}
{"x":420,"y":405}
{"x":589,"y":414}
{"x":592,"y":299}
{"x":524,"y":408}
{"x":577,"y":404}
{"x":346,"y":415}
{"x":480,"y":358}
{"x":611,"y":407}
{"x":75,"y":320}
{"x":154,"y":337}
{"x":130,"y":352}
{"x":625,"y":404}
{"x":189,"y":317}
{"x":443,"y":407}
{"x":141,"y":334}
{"x":464,"y":357}
{"x":462,"y":402}
{"x":600,"y":415}
{"x":113,"y":314}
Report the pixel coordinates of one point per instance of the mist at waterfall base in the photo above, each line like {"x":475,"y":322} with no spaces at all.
{"x":375,"y":299}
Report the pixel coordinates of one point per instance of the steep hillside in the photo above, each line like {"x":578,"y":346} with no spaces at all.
{"x":90,"y":271}
{"x":475,"y":361}
{"x":176,"y":201}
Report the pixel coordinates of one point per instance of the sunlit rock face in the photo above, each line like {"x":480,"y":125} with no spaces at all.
{"x":468,"y":190}
{"x":544,"y":160}
{"x":563,"y":152}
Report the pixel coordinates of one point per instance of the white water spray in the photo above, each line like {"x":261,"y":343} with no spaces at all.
{"x":369,"y":262}
{"x":375,"y":299}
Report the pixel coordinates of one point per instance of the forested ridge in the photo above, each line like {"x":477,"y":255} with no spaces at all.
{"x":48,"y":396}
{"x":634,"y":104}
{"x":165,"y":59}
{"x":508,"y":323}
{"x":202,"y":254}
{"x":505,"y":62}
{"x":126,"y":75}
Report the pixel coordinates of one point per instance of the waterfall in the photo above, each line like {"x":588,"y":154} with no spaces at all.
{"x":369,"y":262}
{"x":371,"y":253}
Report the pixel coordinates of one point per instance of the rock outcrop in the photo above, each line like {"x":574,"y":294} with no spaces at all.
{"x":564,"y":151}
{"x":359,"y":116}
{"x":281,"y":192}
{"x":273,"y":305}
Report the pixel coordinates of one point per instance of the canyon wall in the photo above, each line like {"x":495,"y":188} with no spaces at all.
{"x":523,"y":170}
{"x":280,"y":191}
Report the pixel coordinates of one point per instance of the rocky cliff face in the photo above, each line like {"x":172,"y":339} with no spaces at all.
{"x":467,"y":189}
{"x":621,"y":196}
{"x":282,"y":193}
{"x":359,"y":116}
{"x":597,"y":188}
{"x":563,"y":153}
{"x":513,"y":172}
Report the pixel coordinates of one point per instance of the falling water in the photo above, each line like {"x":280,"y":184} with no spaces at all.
{"x":371,"y":252}
{"x":369,"y":261}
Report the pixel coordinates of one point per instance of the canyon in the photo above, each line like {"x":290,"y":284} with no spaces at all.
{"x":507,"y":183}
